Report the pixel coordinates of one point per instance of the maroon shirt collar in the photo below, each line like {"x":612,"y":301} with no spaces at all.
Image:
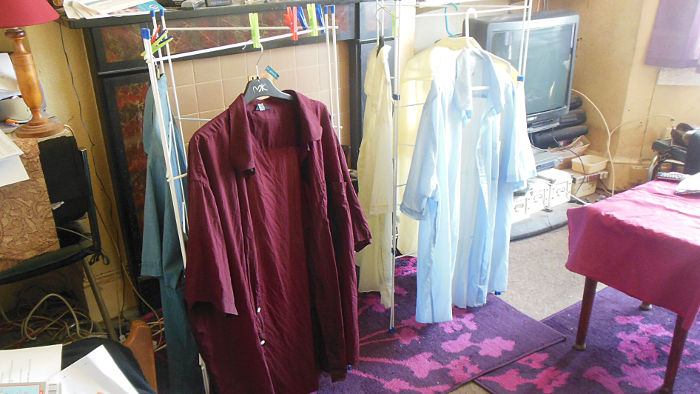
{"x":242,"y":153}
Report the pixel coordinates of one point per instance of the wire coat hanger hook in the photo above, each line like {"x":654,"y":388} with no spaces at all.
{"x":447,"y":25}
{"x":257,"y":73}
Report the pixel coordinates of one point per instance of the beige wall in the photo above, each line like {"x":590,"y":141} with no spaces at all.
{"x":610,"y":70}
{"x":206,"y":86}
{"x":52,"y":67}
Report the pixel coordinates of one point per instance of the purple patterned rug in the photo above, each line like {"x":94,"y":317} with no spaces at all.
{"x":428,"y":358}
{"x":626,"y":352}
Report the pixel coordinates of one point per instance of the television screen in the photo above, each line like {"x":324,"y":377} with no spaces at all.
{"x":550,"y":57}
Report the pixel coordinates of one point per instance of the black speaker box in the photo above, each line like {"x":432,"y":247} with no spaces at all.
{"x":551,"y":138}
{"x":572,"y":118}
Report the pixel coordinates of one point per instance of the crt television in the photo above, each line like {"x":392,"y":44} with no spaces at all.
{"x":550,"y":58}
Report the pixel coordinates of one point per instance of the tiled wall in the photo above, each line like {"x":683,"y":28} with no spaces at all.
{"x":205,"y":87}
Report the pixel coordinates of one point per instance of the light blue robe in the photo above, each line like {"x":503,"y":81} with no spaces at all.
{"x":465,"y":166}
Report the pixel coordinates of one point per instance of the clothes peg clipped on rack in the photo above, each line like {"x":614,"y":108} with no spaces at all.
{"x":302,"y":18}
{"x":155,"y":34}
{"x":291,"y":21}
{"x":159,"y":42}
{"x":319,"y":17}
{"x":158,"y":38}
{"x":313,"y":25}
{"x":254,"y":29}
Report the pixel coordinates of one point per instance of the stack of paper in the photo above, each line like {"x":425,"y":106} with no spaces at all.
{"x":87,"y":9}
{"x":95,"y":373}
{"x":8,"y":79}
{"x":37,"y":370}
{"x":28,"y":370}
{"x":11,"y":167}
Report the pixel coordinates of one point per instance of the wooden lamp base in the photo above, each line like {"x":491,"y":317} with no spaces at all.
{"x":46,"y":129}
{"x":28,"y":81}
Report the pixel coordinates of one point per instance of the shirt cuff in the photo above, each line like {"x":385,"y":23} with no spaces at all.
{"x":412,"y":213}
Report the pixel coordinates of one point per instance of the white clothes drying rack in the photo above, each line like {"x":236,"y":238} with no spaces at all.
{"x":156,"y":63}
{"x":474,"y":10}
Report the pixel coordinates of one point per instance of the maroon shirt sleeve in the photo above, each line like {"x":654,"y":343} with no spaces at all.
{"x":207,"y":272}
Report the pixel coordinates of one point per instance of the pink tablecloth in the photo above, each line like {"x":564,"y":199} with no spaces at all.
{"x":644,"y":242}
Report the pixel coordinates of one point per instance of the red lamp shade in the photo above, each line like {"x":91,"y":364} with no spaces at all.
{"x":16,"y":13}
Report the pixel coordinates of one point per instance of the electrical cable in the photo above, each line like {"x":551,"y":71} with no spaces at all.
{"x":611,"y":132}
{"x":92,"y":142}
{"x":607,"y":145}
{"x":579,"y":200}
{"x":55,"y":327}
{"x":25,"y":322}
{"x":3,"y":314}
{"x":73,"y":232}
{"x":102,"y":186}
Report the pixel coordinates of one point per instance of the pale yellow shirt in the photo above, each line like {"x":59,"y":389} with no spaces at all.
{"x":375,"y":178}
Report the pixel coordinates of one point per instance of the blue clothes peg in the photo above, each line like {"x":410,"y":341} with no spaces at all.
{"x":319,"y":16}
{"x":302,"y":18}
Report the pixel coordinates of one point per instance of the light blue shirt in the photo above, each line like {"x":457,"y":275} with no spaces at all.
{"x":464,"y":169}
{"x":430,"y":197}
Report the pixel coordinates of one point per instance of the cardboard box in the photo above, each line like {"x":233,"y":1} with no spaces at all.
{"x":585,"y":184}
{"x":589,"y":164}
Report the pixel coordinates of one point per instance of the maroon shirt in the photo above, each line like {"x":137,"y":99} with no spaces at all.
{"x":273,"y":220}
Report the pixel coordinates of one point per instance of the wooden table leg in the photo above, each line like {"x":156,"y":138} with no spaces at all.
{"x":674,"y":357}
{"x":584,"y":318}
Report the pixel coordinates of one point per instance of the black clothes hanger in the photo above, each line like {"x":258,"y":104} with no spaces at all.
{"x":262,"y":87}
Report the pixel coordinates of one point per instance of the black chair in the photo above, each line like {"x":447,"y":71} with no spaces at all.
{"x":68,"y":182}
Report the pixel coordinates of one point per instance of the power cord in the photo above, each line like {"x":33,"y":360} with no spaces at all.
{"x":56,"y":327}
{"x":112,"y":238}
{"x":25,"y":322}
{"x":607,"y":145}
{"x":611,"y":132}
